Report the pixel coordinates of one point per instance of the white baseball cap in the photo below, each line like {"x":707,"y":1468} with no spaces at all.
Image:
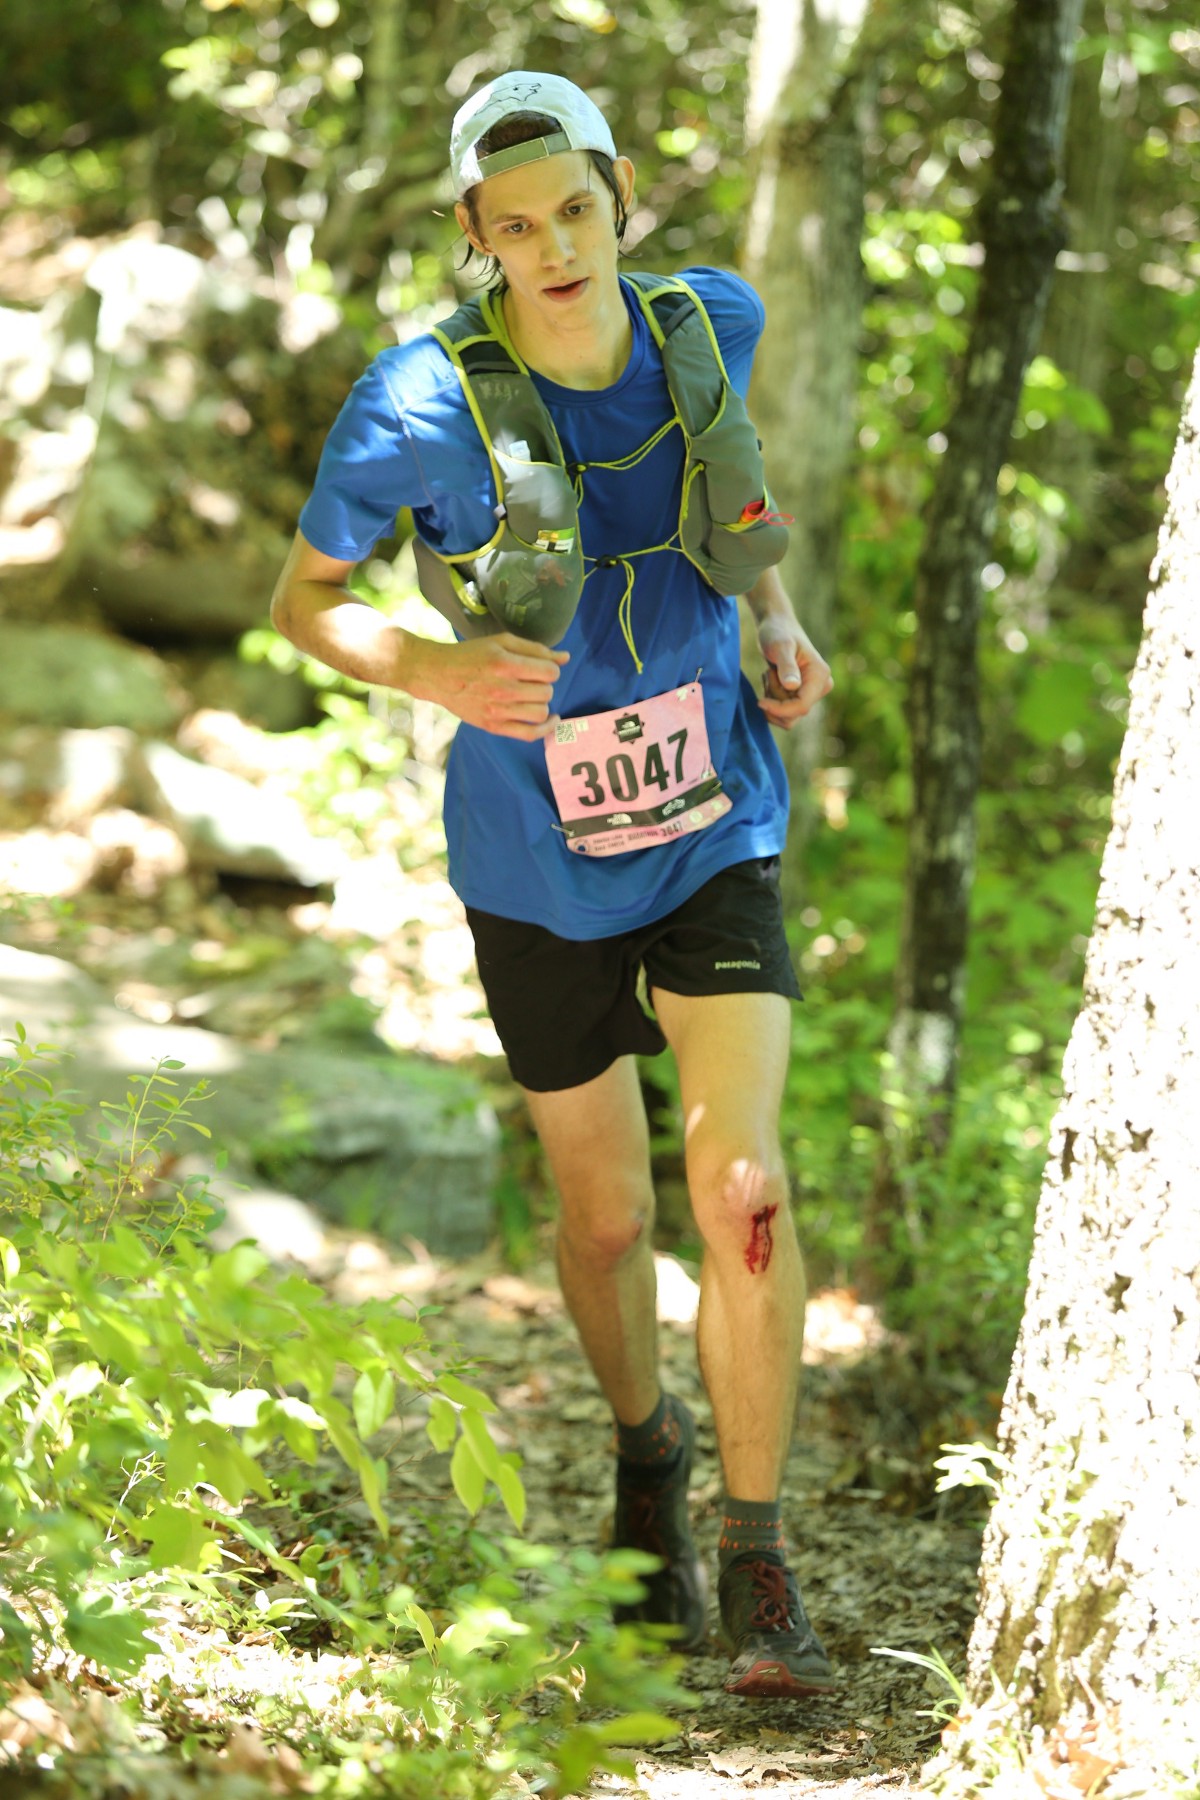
{"x":582,"y":126}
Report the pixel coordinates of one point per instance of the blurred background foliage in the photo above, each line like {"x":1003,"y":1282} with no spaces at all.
{"x":302,"y":146}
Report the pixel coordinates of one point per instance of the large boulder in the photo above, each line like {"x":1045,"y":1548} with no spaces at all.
{"x":162,"y":596}
{"x":397,"y":1145}
{"x":218,"y":395}
{"x":258,"y":693}
{"x":228,"y":824}
{"x":72,"y":773}
{"x":64,"y":675}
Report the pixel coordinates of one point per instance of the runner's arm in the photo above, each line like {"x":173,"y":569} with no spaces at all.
{"x":503,"y":684}
{"x":796,"y":675}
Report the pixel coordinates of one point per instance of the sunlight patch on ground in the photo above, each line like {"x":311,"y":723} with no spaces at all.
{"x":839,"y":1327}
{"x":418,"y":964}
{"x":49,"y":863}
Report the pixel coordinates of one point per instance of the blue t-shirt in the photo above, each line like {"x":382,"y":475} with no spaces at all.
{"x":405,"y":437}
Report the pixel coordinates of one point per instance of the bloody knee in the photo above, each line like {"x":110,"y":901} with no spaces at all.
{"x":739,"y":1202}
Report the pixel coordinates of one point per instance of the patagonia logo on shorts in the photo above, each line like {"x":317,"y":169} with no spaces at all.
{"x":741,"y":962}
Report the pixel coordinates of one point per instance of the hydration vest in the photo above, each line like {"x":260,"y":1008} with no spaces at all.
{"x":529,"y":575}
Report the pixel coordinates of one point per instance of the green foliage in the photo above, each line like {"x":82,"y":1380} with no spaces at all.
{"x":139,"y":1348}
{"x":164,"y":1411}
{"x":1051,"y":741}
{"x":966,"y":1465}
{"x":238,"y":125}
{"x":935,"y":1664}
{"x":253,"y":134}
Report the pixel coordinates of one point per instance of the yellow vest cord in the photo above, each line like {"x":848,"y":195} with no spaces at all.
{"x":625,"y":604}
{"x":623,"y":463}
{"x":625,"y":613}
{"x":620,"y":465}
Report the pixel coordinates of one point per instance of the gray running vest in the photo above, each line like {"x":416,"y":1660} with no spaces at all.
{"x":529,"y":575}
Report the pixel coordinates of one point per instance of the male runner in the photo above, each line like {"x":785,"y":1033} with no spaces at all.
{"x":561,"y":936}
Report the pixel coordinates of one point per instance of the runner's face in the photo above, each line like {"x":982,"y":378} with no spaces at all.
{"x":550,"y":225}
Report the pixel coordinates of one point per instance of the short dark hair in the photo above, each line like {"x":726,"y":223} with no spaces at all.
{"x":522,"y":128}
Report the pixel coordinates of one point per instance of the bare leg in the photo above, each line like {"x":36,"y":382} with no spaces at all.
{"x":597,"y":1142}
{"x":732,"y":1053}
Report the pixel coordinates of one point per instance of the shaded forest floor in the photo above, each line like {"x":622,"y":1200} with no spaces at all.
{"x":873,"y":1572}
{"x":882,"y":1560}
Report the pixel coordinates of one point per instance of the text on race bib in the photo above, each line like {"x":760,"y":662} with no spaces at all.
{"x":637,"y":776}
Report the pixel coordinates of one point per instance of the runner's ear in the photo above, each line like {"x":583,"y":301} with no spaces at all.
{"x":469,"y":232}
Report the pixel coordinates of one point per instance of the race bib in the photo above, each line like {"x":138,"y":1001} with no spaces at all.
{"x":637,"y":776}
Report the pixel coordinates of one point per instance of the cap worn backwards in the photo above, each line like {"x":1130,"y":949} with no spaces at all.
{"x":582,"y":126}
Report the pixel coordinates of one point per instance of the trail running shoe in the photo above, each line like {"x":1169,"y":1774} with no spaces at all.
{"x":652,"y":1515}
{"x":776,"y":1652}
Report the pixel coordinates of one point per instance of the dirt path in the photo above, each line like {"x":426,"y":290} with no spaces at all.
{"x":879,"y":1563}
{"x":872,"y":1573}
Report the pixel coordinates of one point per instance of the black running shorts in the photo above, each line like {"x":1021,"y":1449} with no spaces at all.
{"x":564,"y":1010}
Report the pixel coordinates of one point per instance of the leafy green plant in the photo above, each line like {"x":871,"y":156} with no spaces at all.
{"x":966,"y":1465}
{"x":935,"y":1664}
{"x":137,"y":1348}
{"x":157,"y":1400}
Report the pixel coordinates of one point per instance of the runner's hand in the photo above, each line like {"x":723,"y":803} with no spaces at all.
{"x":796,"y":675}
{"x":503,"y":684}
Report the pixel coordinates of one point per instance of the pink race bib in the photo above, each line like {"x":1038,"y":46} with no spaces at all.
{"x":637,"y":776}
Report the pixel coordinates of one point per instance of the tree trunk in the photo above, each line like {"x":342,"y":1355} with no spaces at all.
{"x":1090,"y":1598}
{"x":809,"y":83}
{"x":1077,"y":318}
{"x":383,"y":60}
{"x":1021,"y":230}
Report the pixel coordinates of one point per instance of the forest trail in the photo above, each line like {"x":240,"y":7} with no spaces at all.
{"x":873,"y":1573}
{"x":881,"y":1561}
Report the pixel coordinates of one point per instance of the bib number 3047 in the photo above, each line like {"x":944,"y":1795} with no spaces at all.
{"x":637,"y":776}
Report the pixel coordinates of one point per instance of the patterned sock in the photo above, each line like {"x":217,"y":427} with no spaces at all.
{"x":751,"y":1527}
{"x":654,"y":1445}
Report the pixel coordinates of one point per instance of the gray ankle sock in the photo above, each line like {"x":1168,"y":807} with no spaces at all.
{"x":751,"y":1528}
{"x":656,"y":1443}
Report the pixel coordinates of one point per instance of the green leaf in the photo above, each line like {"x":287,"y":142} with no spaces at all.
{"x":10,"y":1261}
{"x":469,"y":1479}
{"x":483,"y":1447}
{"x":637,"y":1728}
{"x":239,"y":1410}
{"x":512,"y":1492}
{"x":1060,"y":697}
{"x":299,"y":1436}
{"x":179,"y":1539}
{"x":372,"y":1478}
{"x":203,"y":1451}
{"x":580,"y":1753}
{"x":109,"y":1634}
{"x":81,"y":1380}
{"x":124,"y":1253}
{"x":114,"y":1339}
{"x":238,"y":1267}
{"x":17,"y":1638}
{"x":417,"y":1616}
{"x":443,"y":1424}
{"x":374,"y":1398}
{"x":464,"y":1394}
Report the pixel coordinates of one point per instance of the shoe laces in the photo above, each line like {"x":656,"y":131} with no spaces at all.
{"x":645,"y":1521}
{"x":772,"y":1599}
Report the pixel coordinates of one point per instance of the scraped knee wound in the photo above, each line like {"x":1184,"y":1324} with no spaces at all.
{"x":761,"y":1243}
